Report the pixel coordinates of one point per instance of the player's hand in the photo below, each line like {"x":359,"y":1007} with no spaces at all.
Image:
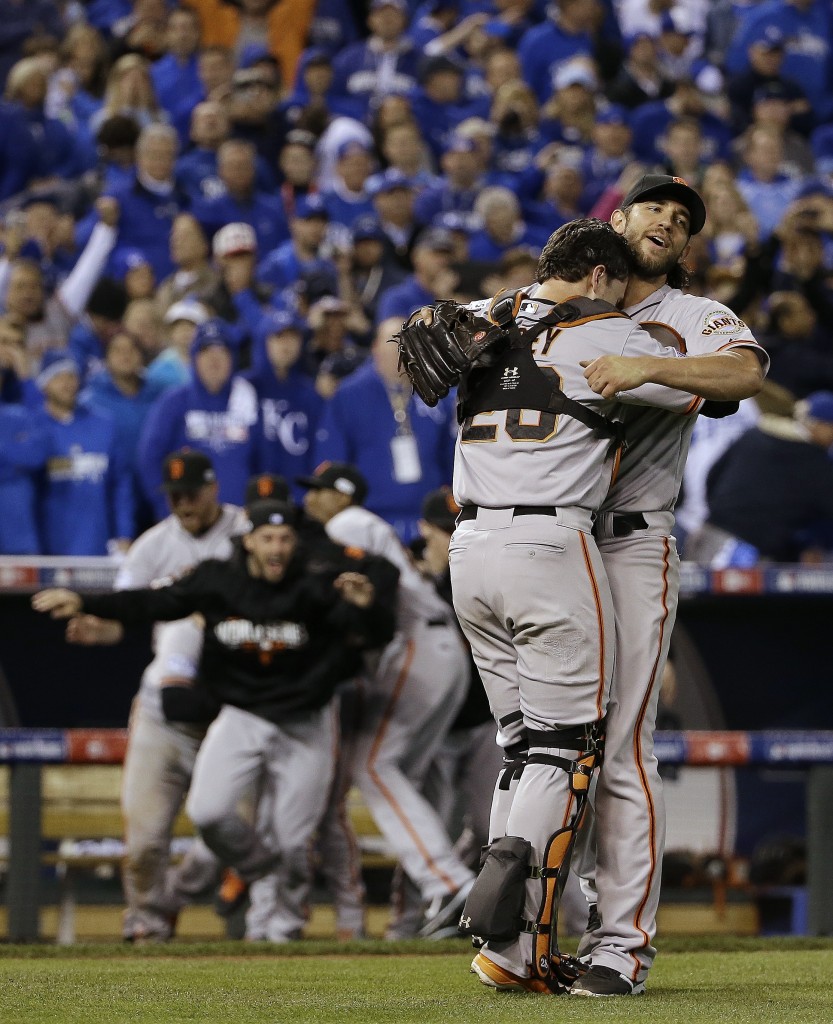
{"x":355,"y":589}
{"x":608,"y":375}
{"x":60,"y":603}
{"x":89,"y":630}
{"x":108,"y":210}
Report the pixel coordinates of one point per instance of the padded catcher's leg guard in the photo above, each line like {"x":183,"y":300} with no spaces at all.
{"x":549,"y":964}
{"x":494,"y":907}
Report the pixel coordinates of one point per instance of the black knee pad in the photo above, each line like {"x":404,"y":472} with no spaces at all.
{"x":494,"y":908}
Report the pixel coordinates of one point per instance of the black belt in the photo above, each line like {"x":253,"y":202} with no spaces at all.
{"x":468,"y":512}
{"x":437,"y":622}
{"x":625,"y":523}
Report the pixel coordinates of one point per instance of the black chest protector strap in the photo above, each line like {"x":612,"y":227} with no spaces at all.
{"x":513,"y":380}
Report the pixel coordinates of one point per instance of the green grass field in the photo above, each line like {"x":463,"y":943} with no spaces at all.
{"x":695,"y":981}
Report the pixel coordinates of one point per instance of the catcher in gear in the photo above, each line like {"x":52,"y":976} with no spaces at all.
{"x":533,"y":462}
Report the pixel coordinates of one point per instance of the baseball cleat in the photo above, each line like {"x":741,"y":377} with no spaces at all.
{"x":231,"y":895}
{"x":489,"y":973}
{"x":600,"y":982}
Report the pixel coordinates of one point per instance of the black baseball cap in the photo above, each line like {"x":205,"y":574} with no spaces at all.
{"x":266,"y":486}
{"x":338,"y":476}
{"x":187,"y":471}
{"x":668,"y":187}
{"x":440,"y":509}
{"x":272,"y":513}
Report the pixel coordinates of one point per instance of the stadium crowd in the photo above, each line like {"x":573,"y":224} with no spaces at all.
{"x":216,"y":212}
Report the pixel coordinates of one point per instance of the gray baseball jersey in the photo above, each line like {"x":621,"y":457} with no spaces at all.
{"x":418,"y":599}
{"x":651,"y":468}
{"x":620,"y":858}
{"x":164,"y":550}
{"x":414,"y":693}
{"x":537,"y":458}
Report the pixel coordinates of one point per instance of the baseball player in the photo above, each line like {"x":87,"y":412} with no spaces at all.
{"x":281,"y":629}
{"x":460,"y":780}
{"x":413,"y":692}
{"x":633,"y":532}
{"x":162,"y":744}
{"x":529,"y":585}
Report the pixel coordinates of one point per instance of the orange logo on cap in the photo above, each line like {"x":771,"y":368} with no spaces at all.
{"x":264,"y":487}
{"x":451,"y":504}
{"x":176,"y":469}
{"x":680,"y":181}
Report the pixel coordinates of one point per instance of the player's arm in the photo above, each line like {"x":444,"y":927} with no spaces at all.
{"x":175,"y":601}
{"x":720,"y":376}
{"x":137,"y":570}
{"x":90,"y":631}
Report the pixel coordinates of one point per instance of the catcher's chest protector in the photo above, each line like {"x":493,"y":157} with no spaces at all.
{"x":514,"y":381}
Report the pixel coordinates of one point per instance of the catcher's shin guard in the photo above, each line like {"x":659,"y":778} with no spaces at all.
{"x":549,"y":964}
{"x":494,"y":906}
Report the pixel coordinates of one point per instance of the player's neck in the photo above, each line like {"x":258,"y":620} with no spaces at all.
{"x":640,"y":288}
{"x":556,"y":290}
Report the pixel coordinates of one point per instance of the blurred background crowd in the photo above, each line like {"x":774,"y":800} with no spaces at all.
{"x":216,"y":212}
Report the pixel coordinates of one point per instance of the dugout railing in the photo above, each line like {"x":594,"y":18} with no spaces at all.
{"x":26,"y":751}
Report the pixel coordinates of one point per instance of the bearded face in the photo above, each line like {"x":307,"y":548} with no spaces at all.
{"x":657,"y":232}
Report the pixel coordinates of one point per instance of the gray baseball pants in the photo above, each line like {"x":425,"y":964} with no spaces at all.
{"x":243,"y":752}
{"x":619,"y":856}
{"x":532,"y":596}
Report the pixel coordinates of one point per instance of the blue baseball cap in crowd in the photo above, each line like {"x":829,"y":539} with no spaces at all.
{"x":771,"y":37}
{"x":367,"y":228}
{"x":401,"y":5}
{"x":817,"y":406}
{"x":497,"y":29}
{"x":310,"y":206}
{"x":615,"y":113}
{"x":452,"y":220}
{"x":124,"y":260}
{"x":276,"y":321}
{"x":213,"y":332}
{"x":256,"y":53}
{"x":56,"y":361}
{"x":387,"y":181}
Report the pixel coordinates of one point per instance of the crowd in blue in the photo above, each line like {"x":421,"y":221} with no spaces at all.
{"x":208,"y":244}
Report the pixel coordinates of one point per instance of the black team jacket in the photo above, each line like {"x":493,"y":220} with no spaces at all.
{"x":277,"y":650}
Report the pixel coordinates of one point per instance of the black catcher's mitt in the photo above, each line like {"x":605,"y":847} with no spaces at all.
{"x":436,"y":356}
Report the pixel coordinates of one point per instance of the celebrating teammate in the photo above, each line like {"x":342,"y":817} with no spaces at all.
{"x":411,"y":698}
{"x":282,"y":629}
{"x":170,"y":713}
{"x":620,"y":859}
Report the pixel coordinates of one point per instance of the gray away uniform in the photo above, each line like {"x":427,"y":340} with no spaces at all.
{"x":160,"y":754}
{"x":619,"y":854}
{"x":529,"y":585}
